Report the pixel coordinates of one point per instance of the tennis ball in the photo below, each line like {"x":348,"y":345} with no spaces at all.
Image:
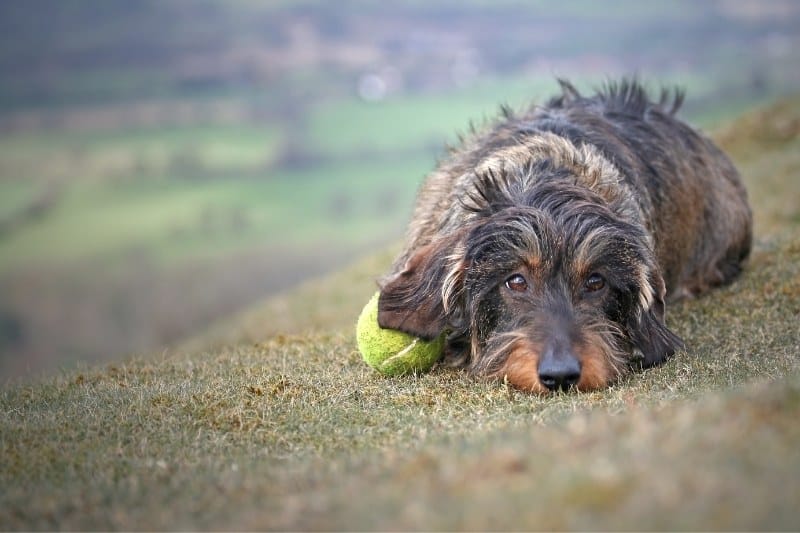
{"x":393,"y":352}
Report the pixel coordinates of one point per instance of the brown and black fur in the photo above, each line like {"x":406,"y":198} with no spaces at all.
{"x":546,"y":246}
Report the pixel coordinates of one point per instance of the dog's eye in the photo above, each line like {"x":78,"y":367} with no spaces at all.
{"x":517,"y":283}
{"x":594,"y":282}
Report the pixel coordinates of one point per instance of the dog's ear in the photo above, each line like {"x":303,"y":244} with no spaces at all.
{"x":411,"y":301}
{"x":647,"y":329}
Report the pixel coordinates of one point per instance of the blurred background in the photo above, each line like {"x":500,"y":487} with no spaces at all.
{"x":164,"y":164}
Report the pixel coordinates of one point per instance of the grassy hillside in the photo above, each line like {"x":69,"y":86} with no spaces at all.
{"x":274,"y":422}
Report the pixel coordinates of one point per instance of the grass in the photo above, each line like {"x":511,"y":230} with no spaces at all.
{"x":272,"y":421}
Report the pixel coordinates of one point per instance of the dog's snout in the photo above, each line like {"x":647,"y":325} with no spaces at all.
{"x":559,"y":369}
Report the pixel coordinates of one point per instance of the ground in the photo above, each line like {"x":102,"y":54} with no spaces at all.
{"x":272,"y":420}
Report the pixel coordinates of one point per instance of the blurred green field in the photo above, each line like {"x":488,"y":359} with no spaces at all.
{"x":174,"y":218}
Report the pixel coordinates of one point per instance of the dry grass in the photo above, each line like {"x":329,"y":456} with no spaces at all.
{"x":293,"y":431}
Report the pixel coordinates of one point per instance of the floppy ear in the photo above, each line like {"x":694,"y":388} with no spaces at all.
{"x":411,"y":301}
{"x":648,"y":332}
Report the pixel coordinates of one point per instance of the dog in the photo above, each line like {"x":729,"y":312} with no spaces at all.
{"x":545,"y":246}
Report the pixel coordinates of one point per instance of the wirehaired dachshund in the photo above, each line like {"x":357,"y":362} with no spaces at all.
{"x":546,"y":245}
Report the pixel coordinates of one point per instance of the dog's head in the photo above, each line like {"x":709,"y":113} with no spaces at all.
{"x":549,"y":290}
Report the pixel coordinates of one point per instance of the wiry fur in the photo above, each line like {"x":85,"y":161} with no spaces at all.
{"x":611,"y":185}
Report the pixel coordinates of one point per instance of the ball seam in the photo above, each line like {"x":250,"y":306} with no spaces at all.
{"x":400,"y":354}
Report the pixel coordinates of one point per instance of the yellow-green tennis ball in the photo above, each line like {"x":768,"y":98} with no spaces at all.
{"x":393,"y":352}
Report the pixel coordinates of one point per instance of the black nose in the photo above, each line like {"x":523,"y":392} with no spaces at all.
{"x":559,"y":370}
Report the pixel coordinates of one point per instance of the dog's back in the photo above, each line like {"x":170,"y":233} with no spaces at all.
{"x":631,"y":150}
